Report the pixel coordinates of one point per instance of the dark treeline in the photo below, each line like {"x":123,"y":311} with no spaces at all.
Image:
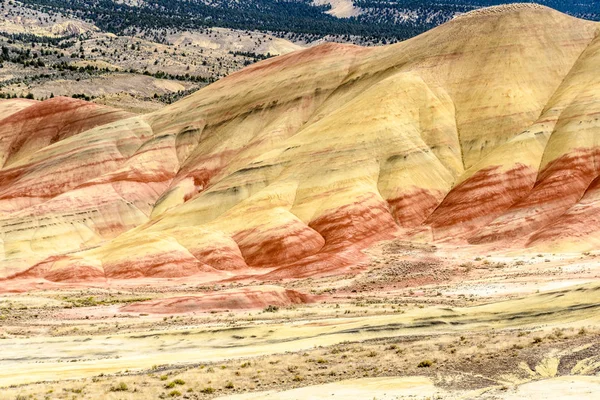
{"x":178,"y":77}
{"x":299,"y":16}
{"x":382,"y":19}
{"x":20,"y":56}
{"x":250,"y":57}
{"x":247,"y":54}
{"x":427,"y":14}
{"x":60,"y":42}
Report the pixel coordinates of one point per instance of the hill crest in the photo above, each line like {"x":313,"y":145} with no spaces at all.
{"x":292,"y":166}
{"x":503,"y":9}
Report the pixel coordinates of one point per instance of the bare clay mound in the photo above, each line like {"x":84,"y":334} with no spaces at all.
{"x":251,"y":297}
{"x":292,"y":167}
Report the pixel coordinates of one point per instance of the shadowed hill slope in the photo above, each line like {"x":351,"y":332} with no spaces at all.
{"x":481,"y":130}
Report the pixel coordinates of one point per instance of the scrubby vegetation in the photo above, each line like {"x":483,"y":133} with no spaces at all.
{"x":423,"y":15}
{"x":121,"y":387}
{"x":300,"y":16}
{"x":146,"y":50}
{"x":384,"y":20}
{"x":271,"y":309}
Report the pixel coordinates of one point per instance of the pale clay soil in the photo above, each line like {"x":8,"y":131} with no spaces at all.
{"x":415,"y":321}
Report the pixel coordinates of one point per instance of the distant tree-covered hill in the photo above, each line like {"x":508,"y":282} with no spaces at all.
{"x":380,"y":19}
{"x":426,"y":14}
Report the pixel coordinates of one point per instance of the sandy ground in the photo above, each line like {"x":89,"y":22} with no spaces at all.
{"x":484,"y":327}
{"x":365,"y":388}
{"x":568,"y":388}
{"x":112,"y":84}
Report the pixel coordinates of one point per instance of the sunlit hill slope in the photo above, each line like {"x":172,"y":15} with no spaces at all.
{"x":483,"y":130}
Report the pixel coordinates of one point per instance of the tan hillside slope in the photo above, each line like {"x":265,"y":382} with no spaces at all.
{"x":288,"y":168}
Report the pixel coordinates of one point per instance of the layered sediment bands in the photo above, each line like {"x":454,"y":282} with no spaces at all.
{"x":250,"y":297}
{"x":68,"y":164}
{"x":164,"y":264}
{"x":477,"y":200}
{"x":12,"y":106}
{"x":575,"y":230}
{"x":516,"y":73}
{"x":480,"y":130}
{"x":561,"y":185}
{"x":247,"y":115}
{"x":278,"y":246}
{"x":569,"y":129}
{"x":366,"y":219}
{"x":48,"y":122}
{"x":70,"y":269}
{"x":412,"y":209}
{"x":83,"y":190}
{"x":346,"y":231}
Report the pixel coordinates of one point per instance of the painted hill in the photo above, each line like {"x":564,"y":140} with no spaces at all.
{"x":483,"y":130}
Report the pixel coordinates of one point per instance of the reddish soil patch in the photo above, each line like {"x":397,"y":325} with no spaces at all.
{"x":560,"y":185}
{"x":233,"y":299}
{"x":411,"y":209}
{"x":478,"y":200}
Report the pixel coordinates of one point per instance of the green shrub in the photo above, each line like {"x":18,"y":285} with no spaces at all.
{"x":121,"y":387}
